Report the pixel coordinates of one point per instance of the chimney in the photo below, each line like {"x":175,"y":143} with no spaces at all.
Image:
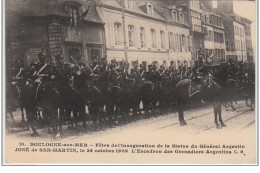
{"x":226,"y":6}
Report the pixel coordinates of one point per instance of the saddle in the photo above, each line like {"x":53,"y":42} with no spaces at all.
{"x":194,"y":89}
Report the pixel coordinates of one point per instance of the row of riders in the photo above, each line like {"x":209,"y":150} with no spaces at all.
{"x":64,"y":90}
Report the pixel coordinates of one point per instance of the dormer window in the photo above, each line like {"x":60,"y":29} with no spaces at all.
{"x":181,"y":17}
{"x":149,"y":8}
{"x":174,"y":15}
{"x":74,"y":15}
{"x":128,"y":4}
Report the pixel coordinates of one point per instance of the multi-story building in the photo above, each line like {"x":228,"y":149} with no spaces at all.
{"x":249,"y":48}
{"x":197,"y":31}
{"x":214,"y":41}
{"x":71,"y":28}
{"x":236,"y":49}
{"x":240,"y":38}
{"x":147,"y":32}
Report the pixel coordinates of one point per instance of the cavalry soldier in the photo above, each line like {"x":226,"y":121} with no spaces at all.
{"x":114,"y":75}
{"x":162,"y":69}
{"x":41,"y":66}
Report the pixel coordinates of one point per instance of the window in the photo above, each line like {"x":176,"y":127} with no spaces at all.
{"x":174,"y":15}
{"x":181,"y":18}
{"x":171,"y":41}
{"x":118,"y":34}
{"x":177,"y":45}
{"x":218,"y":37}
{"x":195,"y":3}
{"x":131,"y":35}
{"x":162,"y":36}
{"x":149,"y":9}
{"x":196,"y":21}
{"x":210,"y":36}
{"x":153,"y":36}
{"x":142,"y":36}
{"x":74,"y":16}
{"x":180,"y":42}
{"x":184,"y":43}
{"x":189,"y":43}
{"x":128,"y":4}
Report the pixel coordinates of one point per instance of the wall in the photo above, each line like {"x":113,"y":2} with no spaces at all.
{"x":240,"y":52}
{"x":147,"y":53}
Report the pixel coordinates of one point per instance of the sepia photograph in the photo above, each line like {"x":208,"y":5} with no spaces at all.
{"x":129,"y":82}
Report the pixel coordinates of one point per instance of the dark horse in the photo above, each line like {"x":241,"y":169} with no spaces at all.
{"x":218,"y":90}
{"x":48,"y":97}
{"x":215,"y":90}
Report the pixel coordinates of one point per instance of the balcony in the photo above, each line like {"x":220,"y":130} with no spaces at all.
{"x":198,"y":29}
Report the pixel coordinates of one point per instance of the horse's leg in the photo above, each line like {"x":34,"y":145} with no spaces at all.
{"x":47,"y":117}
{"x":12,"y":116}
{"x":246,"y":101}
{"x":60,"y":119}
{"x":93,"y":112}
{"x":115,"y":112}
{"x":136,"y":104}
{"x":54,"y":119}
{"x":181,"y":113}
{"x":146,"y":109}
{"x":109,"y":108}
{"x":252,"y":101}
{"x":31,"y":116}
{"x":82,"y":114}
{"x":21,"y":108}
{"x":76,"y":118}
{"x":215,"y":107}
{"x":220,"y":117}
{"x":231,"y":104}
{"x":39,"y":116}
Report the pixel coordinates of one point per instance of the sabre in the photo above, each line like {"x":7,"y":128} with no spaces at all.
{"x":74,"y":60}
{"x":54,"y":60}
{"x":95,"y":67}
{"x":21,"y":69}
{"x":45,"y":65}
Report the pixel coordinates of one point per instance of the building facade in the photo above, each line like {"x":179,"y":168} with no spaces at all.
{"x":240,"y":39}
{"x":214,"y":41}
{"x":152,"y":31}
{"x":249,"y":48}
{"x":71,"y":28}
{"x":235,"y":32}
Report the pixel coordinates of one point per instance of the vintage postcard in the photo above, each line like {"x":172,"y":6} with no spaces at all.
{"x":129,"y":82}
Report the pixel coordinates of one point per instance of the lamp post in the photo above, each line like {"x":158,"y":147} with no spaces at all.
{"x":124,"y":31}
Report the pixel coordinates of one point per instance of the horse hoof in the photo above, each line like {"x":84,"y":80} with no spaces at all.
{"x":218,"y":127}
{"x":223,"y":125}
{"x":183,"y":123}
{"x":35,"y":134}
{"x":58,"y":135}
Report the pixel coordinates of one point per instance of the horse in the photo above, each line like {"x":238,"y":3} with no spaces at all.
{"x":218,"y":90}
{"x":48,"y":97}
{"x":184,"y":91}
{"x":12,"y":99}
{"x":30,"y":105}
